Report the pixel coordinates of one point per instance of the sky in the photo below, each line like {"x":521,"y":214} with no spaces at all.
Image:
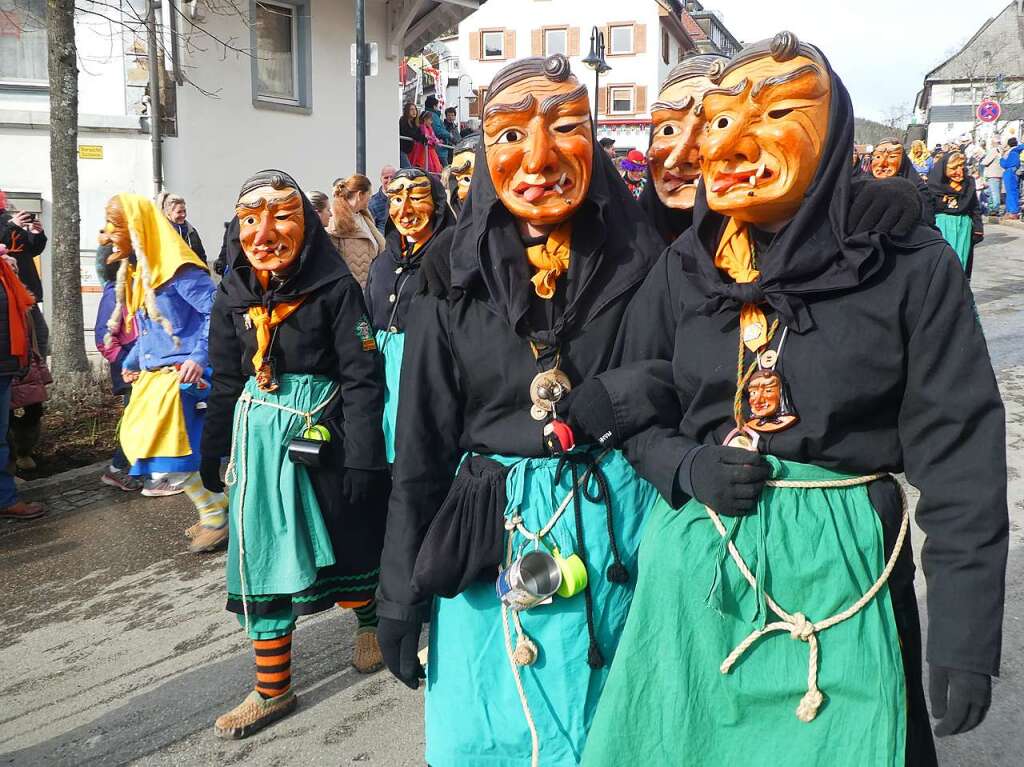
{"x":882,"y":49}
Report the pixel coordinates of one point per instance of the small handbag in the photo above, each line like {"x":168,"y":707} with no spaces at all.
{"x":30,"y":389}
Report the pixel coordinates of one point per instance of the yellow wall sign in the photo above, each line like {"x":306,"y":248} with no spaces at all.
{"x":90,"y":151}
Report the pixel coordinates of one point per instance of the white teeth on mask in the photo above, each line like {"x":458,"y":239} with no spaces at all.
{"x":753,"y":180}
{"x":562,"y":180}
{"x":760,"y":170}
{"x":558,"y":188}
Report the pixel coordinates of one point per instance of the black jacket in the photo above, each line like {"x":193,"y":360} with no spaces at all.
{"x":24,"y":246}
{"x":325,"y":336}
{"x":191,"y":238}
{"x":468,"y":362}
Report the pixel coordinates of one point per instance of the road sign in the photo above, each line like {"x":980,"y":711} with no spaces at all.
{"x":90,"y":151}
{"x":989,"y":111}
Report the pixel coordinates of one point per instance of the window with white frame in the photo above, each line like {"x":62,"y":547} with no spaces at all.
{"x":556,"y":41}
{"x":620,"y":99}
{"x":23,"y":42}
{"x":963,"y":95}
{"x":621,"y":38}
{"x":281,"y":53}
{"x":492,"y":44}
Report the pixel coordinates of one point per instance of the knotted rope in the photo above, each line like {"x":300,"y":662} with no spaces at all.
{"x":797,"y":624}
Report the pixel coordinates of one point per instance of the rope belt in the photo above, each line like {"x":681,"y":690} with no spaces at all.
{"x":797,"y":624}
{"x":240,"y":433}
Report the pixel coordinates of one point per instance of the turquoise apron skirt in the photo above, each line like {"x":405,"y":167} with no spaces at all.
{"x":956,"y":230}
{"x":474,"y":714}
{"x":273,"y":512}
{"x":392,"y":346}
{"x":815,"y":551}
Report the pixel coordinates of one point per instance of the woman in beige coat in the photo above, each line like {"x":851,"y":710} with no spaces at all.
{"x":351,"y":228}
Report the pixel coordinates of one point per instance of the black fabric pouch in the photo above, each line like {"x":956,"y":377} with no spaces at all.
{"x":465,"y":540}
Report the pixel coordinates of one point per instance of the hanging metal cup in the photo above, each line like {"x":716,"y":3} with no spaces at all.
{"x":529,"y":581}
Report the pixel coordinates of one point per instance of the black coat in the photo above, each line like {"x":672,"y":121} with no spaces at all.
{"x":24,"y":246}
{"x":468,"y":362}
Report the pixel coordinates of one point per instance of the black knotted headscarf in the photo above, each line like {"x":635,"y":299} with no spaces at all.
{"x":812,"y":254}
{"x":318,"y":263}
{"x":939,"y":186}
{"x":613,"y":247}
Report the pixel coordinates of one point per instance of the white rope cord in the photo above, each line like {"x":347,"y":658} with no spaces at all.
{"x":534,"y":741}
{"x":797,"y":624}
{"x":240,"y":433}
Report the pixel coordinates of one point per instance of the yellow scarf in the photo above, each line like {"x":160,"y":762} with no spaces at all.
{"x":265,"y":321}
{"x":550,"y":259}
{"x":735,"y":257}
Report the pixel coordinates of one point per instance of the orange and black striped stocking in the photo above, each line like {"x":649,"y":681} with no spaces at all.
{"x":273,"y":665}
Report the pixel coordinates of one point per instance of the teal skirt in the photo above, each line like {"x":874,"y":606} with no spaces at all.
{"x":392,"y":346}
{"x":815,"y":551}
{"x":956,"y":230}
{"x":474,"y":715}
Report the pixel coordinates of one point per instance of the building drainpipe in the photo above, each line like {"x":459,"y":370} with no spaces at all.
{"x":154,"y":97}
{"x":361,"y":86}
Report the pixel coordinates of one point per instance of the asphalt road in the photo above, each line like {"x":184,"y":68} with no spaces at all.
{"x":116,"y":648}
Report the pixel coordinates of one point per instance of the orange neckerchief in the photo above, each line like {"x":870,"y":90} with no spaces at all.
{"x":265,"y":321}
{"x":19,"y":301}
{"x":550,"y":259}
{"x":735,"y":257}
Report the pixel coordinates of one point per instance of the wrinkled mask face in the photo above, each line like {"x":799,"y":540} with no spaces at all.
{"x":271,"y":227}
{"x":678,"y":126}
{"x":886,"y":160}
{"x":411,"y":207}
{"x":764,"y":394}
{"x":115,"y":231}
{"x":766,"y":127}
{"x":955,"y":168}
{"x":539,"y":148}
{"x":462,"y":170}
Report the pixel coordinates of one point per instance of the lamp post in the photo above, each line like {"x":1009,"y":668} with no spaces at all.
{"x":596,"y":61}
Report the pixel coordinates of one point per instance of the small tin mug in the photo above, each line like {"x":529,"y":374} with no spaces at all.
{"x":529,"y":581}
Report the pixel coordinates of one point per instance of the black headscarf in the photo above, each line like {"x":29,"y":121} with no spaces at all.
{"x":613,"y":248}
{"x":812,"y":254}
{"x":470,"y":142}
{"x":939,"y":187}
{"x":318,"y":263}
{"x":670,"y":222}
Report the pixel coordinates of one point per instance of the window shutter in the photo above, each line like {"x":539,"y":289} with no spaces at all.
{"x":537,"y":42}
{"x":474,"y":104}
{"x":640,"y":99}
{"x":573,"y":41}
{"x":607,"y":38}
{"x":639,"y":38}
{"x":510,"y":43}
{"x":474,"y":46}
{"x":602,"y":101}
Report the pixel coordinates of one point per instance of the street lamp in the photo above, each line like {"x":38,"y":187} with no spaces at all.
{"x":596,"y":61}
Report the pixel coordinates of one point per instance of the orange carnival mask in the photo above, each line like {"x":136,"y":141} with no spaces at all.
{"x":115,"y":232}
{"x":677,"y":126}
{"x":538,"y":140}
{"x":887,"y":159}
{"x":955,"y":168}
{"x":411,"y":204}
{"x":462,"y":171}
{"x":767,"y":121}
{"x":271,"y":224}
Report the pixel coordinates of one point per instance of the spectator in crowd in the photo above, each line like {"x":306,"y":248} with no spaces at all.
{"x":173,"y":206}
{"x":424,"y":154}
{"x":451,"y":124}
{"x":15,"y":301}
{"x":608,"y":145}
{"x":322,"y":205}
{"x":634,"y":172}
{"x":166,"y":294}
{"x":441,"y":132}
{"x":1010,"y":163}
{"x":352,"y":230}
{"x":378,"y":205}
{"x":220,"y":264}
{"x":114,"y":351}
{"x":409,"y":135}
{"x":22,"y":233}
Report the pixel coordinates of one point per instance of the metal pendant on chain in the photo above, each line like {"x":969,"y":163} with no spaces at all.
{"x":546,"y":389}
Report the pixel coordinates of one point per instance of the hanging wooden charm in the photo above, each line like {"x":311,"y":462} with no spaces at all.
{"x":771,"y":408}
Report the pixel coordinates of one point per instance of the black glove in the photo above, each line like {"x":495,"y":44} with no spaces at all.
{"x":960,"y":699}
{"x":588,"y":411}
{"x":358,"y":485}
{"x":977,"y":237}
{"x":209,"y":472}
{"x":726,"y":479}
{"x":884,"y":205}
{"x":399,"y":643}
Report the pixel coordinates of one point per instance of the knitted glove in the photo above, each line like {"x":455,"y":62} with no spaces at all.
{"x":588,"y":411}
{"x":358,"y":485}
{"x":209,"y":473}
{"x":399,"y":642}
{"x":726,"y":479}
{"x":885,"y":205}
{"x":960,"y":699}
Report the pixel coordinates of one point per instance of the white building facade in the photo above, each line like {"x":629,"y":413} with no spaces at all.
{"x":248,"y":84}
{"x":643,"y":40}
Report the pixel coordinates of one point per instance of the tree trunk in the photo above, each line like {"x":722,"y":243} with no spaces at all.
{"x":67,"y":337}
